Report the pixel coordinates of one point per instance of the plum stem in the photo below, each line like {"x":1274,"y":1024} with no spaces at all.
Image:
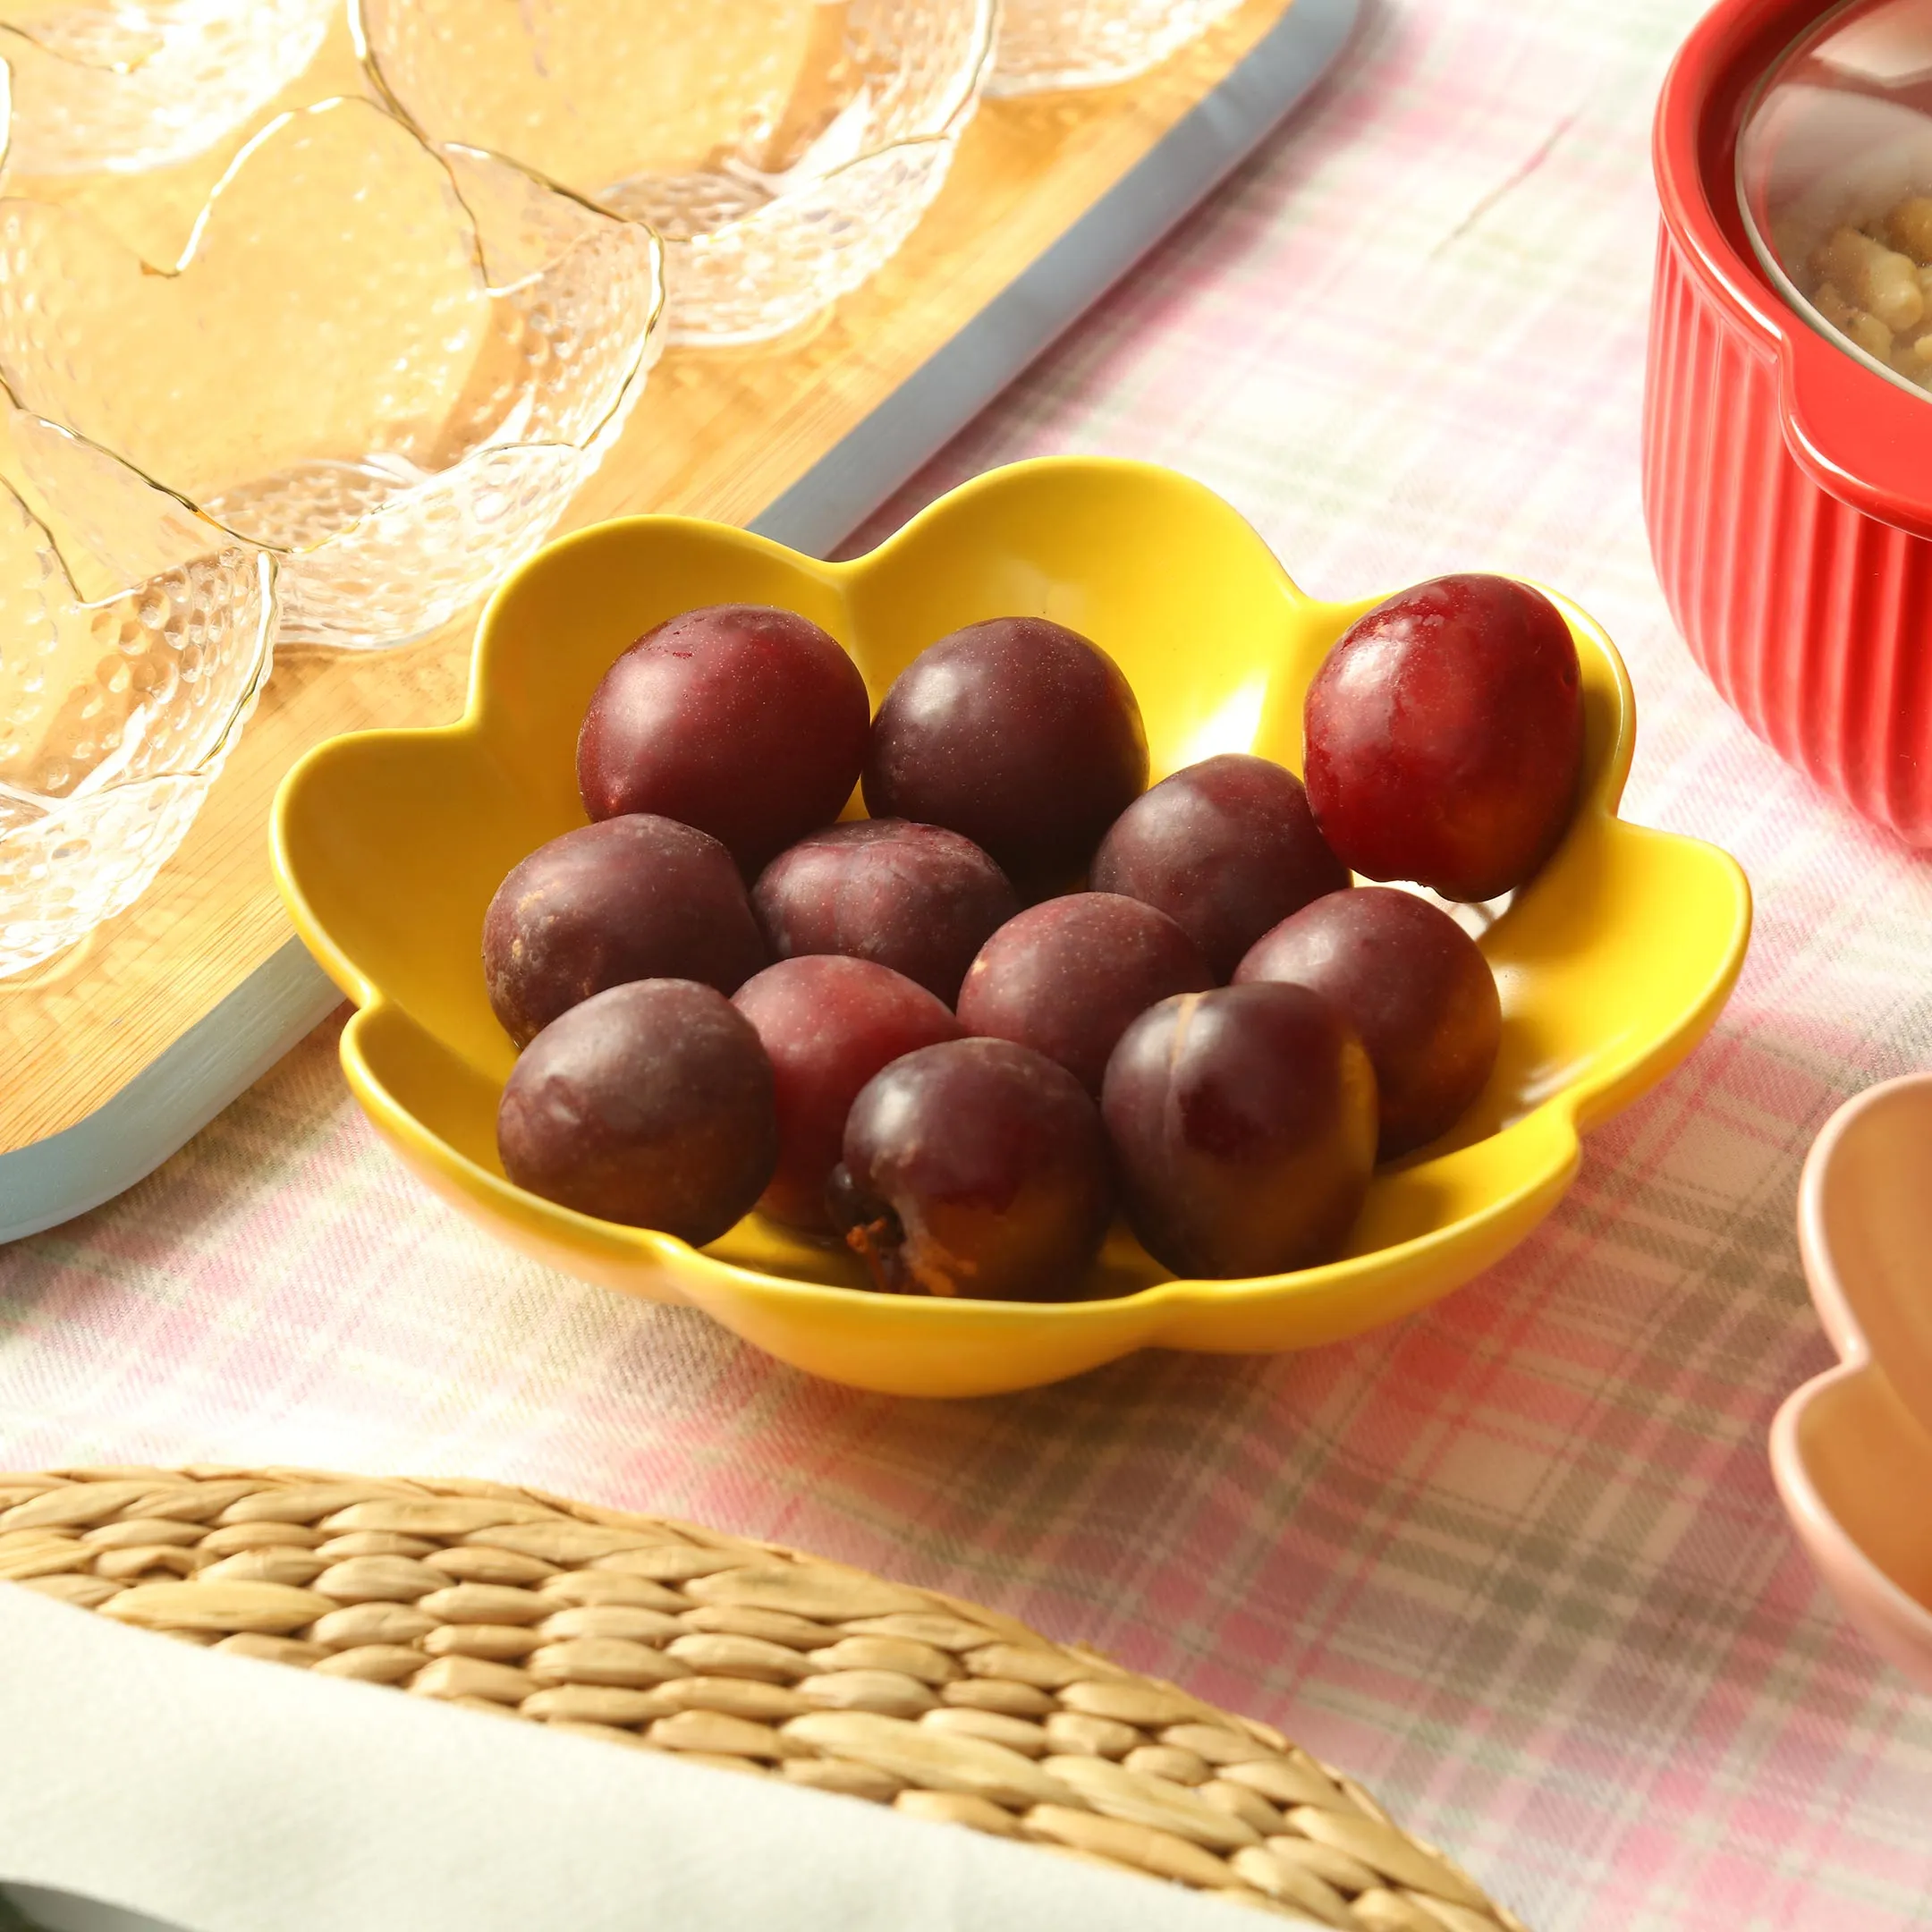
{"x":880,"y":1244}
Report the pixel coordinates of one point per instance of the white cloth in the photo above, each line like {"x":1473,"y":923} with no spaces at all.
{"x":221,"y":1795}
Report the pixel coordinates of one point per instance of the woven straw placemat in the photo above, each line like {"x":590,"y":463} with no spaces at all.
{"x":664,"y":1635}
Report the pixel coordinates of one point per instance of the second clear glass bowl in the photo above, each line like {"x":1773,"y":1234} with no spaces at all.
{"x":782,"y":149}
{"x":389,"y":365}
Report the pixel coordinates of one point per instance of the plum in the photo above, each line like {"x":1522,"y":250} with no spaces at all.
{"x":1225,"y":848}
{"x":1444,"y":737}
{"x":633,"y":898}
{"x":1066,"y":977}
{"x":828,"y":1024}
{"x":914,"y":897}
{"x":974,"y":1168}
{"x":651,"y":1104}
{"x":748,"y":722}
{"x":1017,"y":732}
{"x":1243,"y":1127}
{"x":1412,"y":983}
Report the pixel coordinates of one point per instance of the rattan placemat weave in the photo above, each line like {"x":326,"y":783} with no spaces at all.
{"x":666,"y":1636}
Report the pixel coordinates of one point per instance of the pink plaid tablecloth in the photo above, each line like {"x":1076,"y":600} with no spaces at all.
{"x":1517,"y":1561}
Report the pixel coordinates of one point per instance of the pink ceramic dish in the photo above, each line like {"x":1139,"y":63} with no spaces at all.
{"x":1852,"y":1450}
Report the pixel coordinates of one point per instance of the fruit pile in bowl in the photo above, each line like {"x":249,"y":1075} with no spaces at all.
{"x":958,"y":1087}
{"x":1083,"y":1040}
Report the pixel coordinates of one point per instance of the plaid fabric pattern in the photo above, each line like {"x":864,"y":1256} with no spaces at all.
{"x":1518,"y":1561}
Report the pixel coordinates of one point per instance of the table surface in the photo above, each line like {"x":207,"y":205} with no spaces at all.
{"x":1518,"y":1561}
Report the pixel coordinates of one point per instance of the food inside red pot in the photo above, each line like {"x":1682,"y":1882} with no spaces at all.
{"x":1067,"y":976}
{"x":638,"y":897}
{"x":1833,"y":172}
{"x":828,"y":1024}
{"x":1412,"y":984}
{"x":1018,"y":732}
{"x":1444,"y":737}
{"x":748,"y":723}
{"x":651,"y":1104}
{"x":917,"y":898}
{"x":1243,"y":1127}
{"x":976,"y":1168}
{"x":1227,"y":848}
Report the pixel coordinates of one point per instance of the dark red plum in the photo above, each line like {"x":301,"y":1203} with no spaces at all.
{"x":828,"y":1024}
{"x":1243,"y":1127}
{"x":917,"y":898}
{"x":748,"y":723}
{"x":1444,"y":737}
{"x":1225,"y":848}
{"x":634,"y":898}
{"x":651,"y":1104}
{"x":976,"y":1168}
{"x":1067,"y":976}
{"x":1017,"y":732}
{"x":1415,"y":987}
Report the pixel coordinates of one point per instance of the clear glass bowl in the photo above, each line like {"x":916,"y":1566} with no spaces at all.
{"x":135,"y":636}
{"x":1046,"y":44}
{"x":782,"y":149}
{"x":389,"y":365}
{"x":1835,"y":179}
{"x":122,"y":85}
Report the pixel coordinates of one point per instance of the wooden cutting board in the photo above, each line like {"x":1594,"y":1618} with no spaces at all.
{"x":118,"y":1051}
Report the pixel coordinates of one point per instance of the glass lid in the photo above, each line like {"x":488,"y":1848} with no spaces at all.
{"x":1835,"y":176}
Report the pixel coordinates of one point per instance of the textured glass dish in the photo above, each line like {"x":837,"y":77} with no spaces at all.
{"x":120,"y":85}
{"x":1046,"y":44}
{"x":391,"y":367}
{"x":782,"y":149}
{"x":1834,"y":177}
{"x":134,"y":640}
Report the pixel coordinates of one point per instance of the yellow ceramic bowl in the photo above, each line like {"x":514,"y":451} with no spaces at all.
{"x":1612,"y":963}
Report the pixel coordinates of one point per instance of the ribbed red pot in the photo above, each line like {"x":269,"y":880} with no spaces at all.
{"x":1788,"y":489}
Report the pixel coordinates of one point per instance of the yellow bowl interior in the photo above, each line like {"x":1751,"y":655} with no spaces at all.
{"x":1613,"y":962}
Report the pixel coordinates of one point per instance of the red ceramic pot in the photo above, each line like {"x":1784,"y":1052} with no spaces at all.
{"x":1787,"y":484}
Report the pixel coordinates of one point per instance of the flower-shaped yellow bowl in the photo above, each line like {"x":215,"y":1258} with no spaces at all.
{"x":1612,"y":963}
